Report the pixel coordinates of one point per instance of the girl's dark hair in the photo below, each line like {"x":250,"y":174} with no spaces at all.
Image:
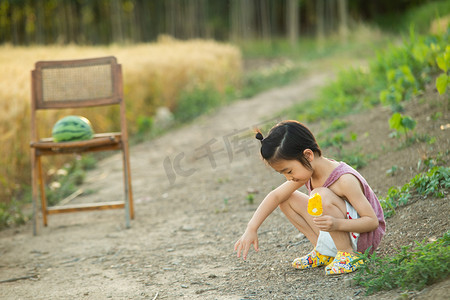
{"x":287,"y":140}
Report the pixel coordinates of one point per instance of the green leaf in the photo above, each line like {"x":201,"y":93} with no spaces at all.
{"x":441,"y":83}
{"x":408,"y":122}
{"x":441,"y":63}
{"x":384,"y":94}
{"x":420,"y":52}
{"x":407,"y":74}
{"x":395,"y":122}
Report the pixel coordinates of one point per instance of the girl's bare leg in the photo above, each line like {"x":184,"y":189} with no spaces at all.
{"x":295,"y":210}
{"x":335,"y":206}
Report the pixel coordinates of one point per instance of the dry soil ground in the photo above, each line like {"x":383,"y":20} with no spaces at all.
{"x":191,"y":190}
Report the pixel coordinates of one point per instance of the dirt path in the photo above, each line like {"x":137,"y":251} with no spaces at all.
{"x":186,"y":221}
{"x":191,"y":190}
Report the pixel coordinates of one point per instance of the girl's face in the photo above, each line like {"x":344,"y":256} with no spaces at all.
{"x":293,"y":170}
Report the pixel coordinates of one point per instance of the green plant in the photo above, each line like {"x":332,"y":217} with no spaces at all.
{"x":261,"y":80}
{"x":144,"y":124}
{"x":402,"y":84}
{"x":405,"y":70}
{"x":436,"y":116}
{"x":331,"y":137}
{"x":394,"y":75}
{"x":354,"y":158}
{"x":392,"y":96}
{"x":411,"y":268}
{"x":395,"y":198}
{"x":352,"y":91}
{"x":434,"y":182}
{"x":334,"y":126}
{"x":195,"y":102}
{"x":430,"y":162}
{"x":88,"y":162}
{"x":392,"y":170}
{"x":402,"y":124}
{"x":66,"y":180}
{"x":421,"y":16}
{"x":443,"y":62}
{"x":11,"y":214}
{"x":337,"y":140}
{"x":425,"y":138}
{"x":225,"y":206}
{"x":250,"y":198}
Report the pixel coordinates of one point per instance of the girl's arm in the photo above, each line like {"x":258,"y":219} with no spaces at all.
{"x":267,"y":206}
{"x":349,"y":187}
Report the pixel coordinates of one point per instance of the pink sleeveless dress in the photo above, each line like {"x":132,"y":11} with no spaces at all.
{"x":366,"y":239}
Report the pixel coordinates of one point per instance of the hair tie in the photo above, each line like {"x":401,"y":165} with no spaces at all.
{"x":259,"y":136}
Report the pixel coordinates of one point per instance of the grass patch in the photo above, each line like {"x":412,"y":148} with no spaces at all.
{"x":421,"y":17}
{"x":352,"y":91}
{"x":201,"y":100}
{"x":361,"y":42}
{"x":65,"y":181}
{"x":412,"y":268}
{"x":354,"y":158}
{"x":258,"y":81}
{"x":395,"y":75}
{"x":11,"y":214}
{"x":334,"y":139}
{"x":432,"y":183}
{"x":196,"y":102}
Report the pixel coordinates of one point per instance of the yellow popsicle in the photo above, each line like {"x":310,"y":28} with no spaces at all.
{"x":315,"y":208}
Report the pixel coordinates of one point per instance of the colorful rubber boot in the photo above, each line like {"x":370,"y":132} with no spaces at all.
{"x":343,"y":263}
{"x":312,"y":260}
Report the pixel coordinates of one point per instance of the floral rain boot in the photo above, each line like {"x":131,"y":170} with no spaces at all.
{"x":344,"y":262}
{"x":312,"y":260}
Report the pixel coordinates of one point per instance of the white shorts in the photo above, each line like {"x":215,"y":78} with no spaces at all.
{"x":325,"y":244}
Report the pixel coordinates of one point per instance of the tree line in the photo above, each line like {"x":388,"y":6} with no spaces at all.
{"x":100,"y":22}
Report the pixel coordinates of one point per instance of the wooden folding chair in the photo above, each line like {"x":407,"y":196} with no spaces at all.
{"x":77,"y":84}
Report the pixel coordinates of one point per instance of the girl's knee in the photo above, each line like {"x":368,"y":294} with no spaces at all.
{"x":326,"y":194}
{"x":294,"y":202}
{"x":329,"y":199}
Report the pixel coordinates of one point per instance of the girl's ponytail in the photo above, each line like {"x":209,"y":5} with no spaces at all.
{"x":259,"y":136}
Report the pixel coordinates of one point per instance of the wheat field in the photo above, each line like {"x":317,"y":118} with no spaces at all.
{"x":154,"y":75}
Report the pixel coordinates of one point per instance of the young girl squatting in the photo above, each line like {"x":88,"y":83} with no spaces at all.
{"x":352,"y":220}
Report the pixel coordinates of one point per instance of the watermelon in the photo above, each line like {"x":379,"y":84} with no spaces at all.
{"x":72,"y":128}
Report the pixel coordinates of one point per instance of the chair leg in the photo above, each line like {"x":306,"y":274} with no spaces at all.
{"x":130,"y":189}
{"x":42,"y":191}
{"x":129,"y":208}
{"x":128,"y":180}
{"x":34,"y":185}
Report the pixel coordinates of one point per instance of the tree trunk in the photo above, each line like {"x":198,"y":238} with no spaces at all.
{"x":292,"y":21}
{"x":170,"y":17}
{"x":116,"y":22}
{"x":235,"y":20}
{"x":246,"y":19}
{"x":265,"y":20}
{"x":343,"y":19}
{"x":320,"y":28}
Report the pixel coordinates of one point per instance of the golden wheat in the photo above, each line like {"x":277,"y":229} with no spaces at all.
{"x":154,"y":75}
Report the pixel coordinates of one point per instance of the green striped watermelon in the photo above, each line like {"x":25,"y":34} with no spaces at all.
{"x":72,"y":128}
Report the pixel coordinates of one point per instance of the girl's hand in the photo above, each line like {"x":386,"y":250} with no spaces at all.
{"x":326,"y":223}
{"x":243,"y":244}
